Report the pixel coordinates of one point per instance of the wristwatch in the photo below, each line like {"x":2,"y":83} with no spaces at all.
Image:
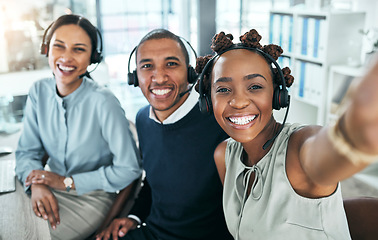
{"x":68,"y":183}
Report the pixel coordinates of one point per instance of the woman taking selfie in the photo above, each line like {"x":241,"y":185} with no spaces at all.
{"x":281,"y":181}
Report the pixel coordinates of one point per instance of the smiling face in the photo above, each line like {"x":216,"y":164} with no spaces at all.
{"x":162,"y":75}
{"x":69,"y":56}
{"x":242,"y":93}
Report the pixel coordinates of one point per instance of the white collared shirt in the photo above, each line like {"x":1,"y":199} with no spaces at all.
{"x":181,"y":112}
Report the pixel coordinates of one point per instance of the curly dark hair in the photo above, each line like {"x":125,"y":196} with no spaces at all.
{"x":222,"y":42}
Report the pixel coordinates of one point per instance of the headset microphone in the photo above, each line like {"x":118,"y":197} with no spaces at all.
{"x":83,"y":75}
{"x":87,"y":73}
{"x":185,"y":92}
{"x":270,"y":141}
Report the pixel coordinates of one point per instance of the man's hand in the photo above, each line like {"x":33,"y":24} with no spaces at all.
{"x":118,"y":228}
{"x":44,"y":204}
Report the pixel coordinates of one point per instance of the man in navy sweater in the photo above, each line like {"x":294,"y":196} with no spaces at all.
{"x":181,"y":197}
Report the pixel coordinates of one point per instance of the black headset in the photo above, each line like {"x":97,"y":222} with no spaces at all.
{"x":96,"y":56}
{"x":281,"y":98}
{"x":132,"y":77}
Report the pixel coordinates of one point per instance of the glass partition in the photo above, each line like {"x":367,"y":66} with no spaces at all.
{"x":122,"y":24}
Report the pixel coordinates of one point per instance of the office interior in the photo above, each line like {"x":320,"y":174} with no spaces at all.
{"x":124,"y":22}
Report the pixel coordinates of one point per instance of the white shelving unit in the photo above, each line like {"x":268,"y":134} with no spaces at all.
{"x":313,"y":41}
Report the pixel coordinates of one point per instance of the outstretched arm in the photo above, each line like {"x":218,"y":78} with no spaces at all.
{"x":336,"y":153}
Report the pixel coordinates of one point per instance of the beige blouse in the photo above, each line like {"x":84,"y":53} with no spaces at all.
{"x":273,"y":210}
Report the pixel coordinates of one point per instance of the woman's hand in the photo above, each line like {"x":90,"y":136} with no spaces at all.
{"x":47,"y":178}
{"x":118,"y":228}
{"x":44,"y":204}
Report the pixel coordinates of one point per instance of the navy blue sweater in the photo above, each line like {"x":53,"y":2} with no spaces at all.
{"x":183,"y":193}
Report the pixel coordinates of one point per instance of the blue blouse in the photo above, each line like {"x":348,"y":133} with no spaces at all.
{"x":86,"y":135}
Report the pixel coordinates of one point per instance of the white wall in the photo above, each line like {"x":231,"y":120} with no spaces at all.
{"x":3,"y":49}
{"x":371,"y":9}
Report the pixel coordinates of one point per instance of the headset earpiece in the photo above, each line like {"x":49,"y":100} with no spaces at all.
{"x":284,"y":98}
{"x":204,"y":100}
{"x":132,"y":78}
{"x":192,"y":75}
{"x":276,"y":98}
{"x":96,"y":57}
{"x":205,"y":105}
{"x":43,"y":49}
{"x":280,"y":98}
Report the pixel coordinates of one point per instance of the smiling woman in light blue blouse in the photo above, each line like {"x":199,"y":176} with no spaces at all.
{"x":84,"y":131}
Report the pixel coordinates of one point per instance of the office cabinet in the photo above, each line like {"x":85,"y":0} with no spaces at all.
{"x":313,"y":41}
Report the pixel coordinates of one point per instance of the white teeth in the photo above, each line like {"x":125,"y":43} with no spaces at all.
{"x":242,"y":120}
{"x":161,"y":91}
{"x":64,"y":68}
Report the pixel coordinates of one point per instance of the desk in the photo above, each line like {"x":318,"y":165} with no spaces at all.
{"x":17,"y":219}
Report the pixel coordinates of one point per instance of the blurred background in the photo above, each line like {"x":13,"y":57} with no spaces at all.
{"x":327,"y":44}
{"x":124,"y":22}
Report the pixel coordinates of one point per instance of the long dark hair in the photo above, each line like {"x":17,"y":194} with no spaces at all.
{"x":80,"y":21}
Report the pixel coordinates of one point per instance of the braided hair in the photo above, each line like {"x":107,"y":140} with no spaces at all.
{"x":221,"y":42}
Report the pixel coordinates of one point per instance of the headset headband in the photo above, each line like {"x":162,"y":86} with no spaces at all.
{"x":131,"y":54}
{"x":192,"y":75}
{"x":96,"y":55}
{"x":99,"y":41}
{"x":136,"y":47}
{"x":281,"y":98}
{"x":233,"y":47}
